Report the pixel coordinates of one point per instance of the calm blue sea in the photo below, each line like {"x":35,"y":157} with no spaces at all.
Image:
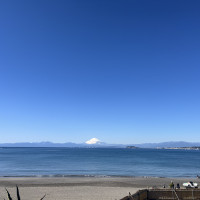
{"x":98,"y":162}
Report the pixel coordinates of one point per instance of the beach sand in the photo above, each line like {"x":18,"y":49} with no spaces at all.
{"x":82,"y":188}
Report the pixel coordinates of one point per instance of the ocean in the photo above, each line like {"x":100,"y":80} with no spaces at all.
{"x":60,"y":162}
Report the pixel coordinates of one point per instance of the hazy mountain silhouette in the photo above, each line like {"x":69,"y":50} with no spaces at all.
{"x":102,"y":144}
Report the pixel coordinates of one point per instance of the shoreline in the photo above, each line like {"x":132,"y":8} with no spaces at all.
{"x":123,"y":181}
{"x":95,"y":176}
{"x":84,"y":188}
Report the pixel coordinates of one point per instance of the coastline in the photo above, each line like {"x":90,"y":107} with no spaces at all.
{"x":85,"y":188}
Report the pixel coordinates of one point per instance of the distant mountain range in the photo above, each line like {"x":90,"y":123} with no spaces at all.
{"x":96,"y":143}
{"x":68,"y":144}
{"x":169,"y":144}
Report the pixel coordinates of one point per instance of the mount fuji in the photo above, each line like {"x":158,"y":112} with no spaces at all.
{"x":94,"y":141}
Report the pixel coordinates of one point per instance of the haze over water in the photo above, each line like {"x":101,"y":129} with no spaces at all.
{"x":98,"y":162}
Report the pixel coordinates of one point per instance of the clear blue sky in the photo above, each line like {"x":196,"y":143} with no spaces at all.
{"x":121,"y":71}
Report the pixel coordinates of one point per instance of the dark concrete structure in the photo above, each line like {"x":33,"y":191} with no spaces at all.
{"x":165,"y":194}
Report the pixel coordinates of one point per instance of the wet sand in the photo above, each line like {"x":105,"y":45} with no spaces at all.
{"x":84,"y":188}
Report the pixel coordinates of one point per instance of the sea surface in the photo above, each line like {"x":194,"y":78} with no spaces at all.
{"x":98,"y":162}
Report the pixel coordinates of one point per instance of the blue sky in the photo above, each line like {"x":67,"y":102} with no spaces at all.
{"x":121,"y":71}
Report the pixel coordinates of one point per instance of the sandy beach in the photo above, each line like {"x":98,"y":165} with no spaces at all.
{"x":84,"y":188}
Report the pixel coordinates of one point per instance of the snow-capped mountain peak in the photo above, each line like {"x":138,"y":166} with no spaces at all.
{"x":93,"y":141}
